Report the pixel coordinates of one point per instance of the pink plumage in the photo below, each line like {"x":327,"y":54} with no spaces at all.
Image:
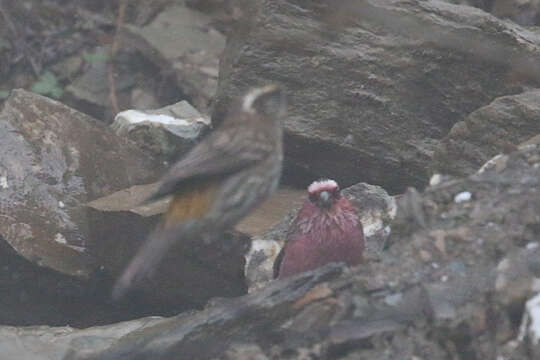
{"x":327,"y":229}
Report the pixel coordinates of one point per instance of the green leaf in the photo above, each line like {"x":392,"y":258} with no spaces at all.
{"x":48,"y":85}
{"x":97,"y":57}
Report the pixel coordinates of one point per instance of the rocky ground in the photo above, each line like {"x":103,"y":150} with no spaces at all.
{"x":426,"y":111}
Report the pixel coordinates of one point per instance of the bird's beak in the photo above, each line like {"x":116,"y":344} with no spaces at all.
{"x":325,"y":199}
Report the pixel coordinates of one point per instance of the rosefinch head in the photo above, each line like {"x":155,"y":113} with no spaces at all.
{"x":327,"y":229}
{"x":219,"y":181}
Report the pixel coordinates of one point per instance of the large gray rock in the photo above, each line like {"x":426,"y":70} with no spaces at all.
{"x":89,"y":92}
{"x":53,"y":160}
{"x":226,"y":14}
{"x":498,"y":127}
{"x":374,"y":85}
{"x":180,"y":41}
{"x":43,"y":342}
{"x":524,"y":12}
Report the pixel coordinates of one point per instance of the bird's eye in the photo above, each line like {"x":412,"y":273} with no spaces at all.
{"x":313,"y":197}
{"x":336,"y":193}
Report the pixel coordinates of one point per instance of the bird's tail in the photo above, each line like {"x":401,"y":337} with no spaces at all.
{"x":149,"y":255}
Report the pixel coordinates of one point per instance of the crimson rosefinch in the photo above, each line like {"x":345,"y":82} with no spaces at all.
{"x":219,"y":181}
{"x":327,"y":229}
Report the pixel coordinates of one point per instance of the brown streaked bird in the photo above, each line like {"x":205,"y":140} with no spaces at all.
{"x":327,"y":229}
{"x":219,"y":181}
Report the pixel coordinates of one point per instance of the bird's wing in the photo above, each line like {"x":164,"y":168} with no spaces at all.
{"x":292,"y":235}
{"x":222,"y":152}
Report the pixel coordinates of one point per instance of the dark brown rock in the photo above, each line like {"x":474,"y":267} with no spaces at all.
{"x":181,"y":42}
{"x":374,"y":85}
{"x":54,"y":160}
{"x":226,"y":14}
{"x":523,"y":12}
{"x":89,"y":92}
{"x":495,"y":128}
{"x":190,"y":274}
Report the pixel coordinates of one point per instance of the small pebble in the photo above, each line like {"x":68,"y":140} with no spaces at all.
{"x":3,"y":182}
{"x":435,"y":179}
{"x":59,"y":238}
{"x":462,"y":197}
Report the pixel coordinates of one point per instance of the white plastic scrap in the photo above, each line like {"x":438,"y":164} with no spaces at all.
{"x":3,"y":182}
{"x":462,"y":197}
{"x":135,"y":116}
{"x":435,"y":179}
{"x":531,"y":321}
{"x":59,"y":238}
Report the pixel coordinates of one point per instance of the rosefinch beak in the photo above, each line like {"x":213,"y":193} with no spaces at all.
{"x":219,"y":181}
{"x":325,"y":199}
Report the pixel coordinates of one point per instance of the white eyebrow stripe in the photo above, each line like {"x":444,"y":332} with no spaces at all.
{"x":251,"y":96}
{"x":322,"y":185}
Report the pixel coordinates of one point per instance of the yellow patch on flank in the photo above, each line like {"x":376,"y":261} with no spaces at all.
{"x":190,"y":203}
